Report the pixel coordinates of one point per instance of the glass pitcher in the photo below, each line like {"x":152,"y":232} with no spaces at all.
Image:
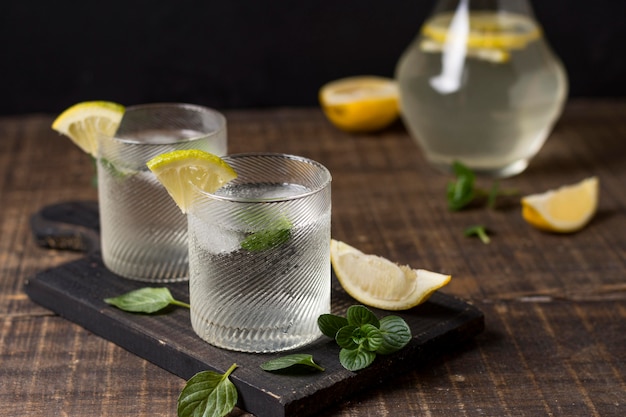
{"x":480,"y":85}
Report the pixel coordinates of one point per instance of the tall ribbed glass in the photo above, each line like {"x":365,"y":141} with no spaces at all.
{"x":259,"y":254}
{"x":143,"y":232}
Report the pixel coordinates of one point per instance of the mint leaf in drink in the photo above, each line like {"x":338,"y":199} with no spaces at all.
{"x":478,"y":230}
{"x":395,"y":333}
{"x":275,"y":235}
{"x":265,"y":239}
{"x":330,"y":324}
{"x":208,"y":394}
{"x":295,"y":360}
{"x":361,"y":335}
{"x":115,"y":171}
{"x":145,"y":300}
{"x":356,"y":359}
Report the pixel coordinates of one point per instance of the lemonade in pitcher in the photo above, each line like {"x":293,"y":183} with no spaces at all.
{"x":481,"y":87}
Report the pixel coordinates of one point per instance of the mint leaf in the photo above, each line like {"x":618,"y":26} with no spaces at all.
{"x":265,"y":239}
{"x":275,"y":235}
{"x":145,"y":300}
{"x":461,"y":192}
{"x":492,"y":196}
{"x":289,"y":361}
{"x":345,"y":337}
{"x":115,"y":172}
{"x":356,"y":359}
{"x":370,"y":337}
{"x":330,"y":324}
{"x":396,"y":334}
{"x":358,"y":315}
{"x":208,"y":394}
{"x":480,"y":231}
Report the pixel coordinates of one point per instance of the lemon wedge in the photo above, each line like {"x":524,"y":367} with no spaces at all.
{"x":183,"y":170}
{"x":82,"y":122}
{"x":360,"y":104}
{"x":378,"y":282}
{"x":565,"y":209}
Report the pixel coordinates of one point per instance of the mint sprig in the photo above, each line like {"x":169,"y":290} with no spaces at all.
{"x":145,"y":300}
{"x":463,"y":190}
{"x":362,"y":336}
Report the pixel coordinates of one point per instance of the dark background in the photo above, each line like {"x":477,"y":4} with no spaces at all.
{"x":252,"y":53}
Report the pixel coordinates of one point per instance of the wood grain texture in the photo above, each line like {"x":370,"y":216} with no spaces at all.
{"x":555,"y":306}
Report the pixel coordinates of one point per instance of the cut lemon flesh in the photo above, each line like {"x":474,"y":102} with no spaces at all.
{"x":82,"y":122}
{"x":182,"y":171}
{"x":378,"y":282}
{"x":565,"y":209}
{"x":488,"y":36}
{"x":360,"y":104}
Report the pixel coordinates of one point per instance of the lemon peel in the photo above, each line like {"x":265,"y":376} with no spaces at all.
{"x":380,"y":283}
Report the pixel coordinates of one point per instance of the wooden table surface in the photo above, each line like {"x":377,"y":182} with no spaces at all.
{"x":554,"y":305}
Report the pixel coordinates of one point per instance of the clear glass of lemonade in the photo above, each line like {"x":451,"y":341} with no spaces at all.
{"x":480,"y":85}
{"x":143,"y":232}
{"x":259,"y":254}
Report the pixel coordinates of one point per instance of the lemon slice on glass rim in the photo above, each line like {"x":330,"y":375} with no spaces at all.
{"x":378,"y":282}
{"x":360,"y":104}
{"x":564,"y":210}
{"x":183,"y":170}
{"x":82,"y":122}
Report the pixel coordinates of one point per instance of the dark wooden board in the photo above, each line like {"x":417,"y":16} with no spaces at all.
{"x":76,"y":291}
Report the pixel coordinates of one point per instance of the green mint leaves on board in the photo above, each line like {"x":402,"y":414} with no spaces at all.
{"x":479,"y":231}
{"x":208,"y":394}
{"x":362,"y":336}
{"x":294,"y":362}
{"x":145,"y":300}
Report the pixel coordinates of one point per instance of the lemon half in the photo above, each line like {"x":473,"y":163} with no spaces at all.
{"x":82,"y":122}
{"x":566,"y":209}
{"x":378,"y":282}
{"x":180,"y":171}
{"x":361,"y":104}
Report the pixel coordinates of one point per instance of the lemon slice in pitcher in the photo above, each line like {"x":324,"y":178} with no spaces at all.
{"x":486,"y":36}
{"x":82,"y":122}
{"x":181,"y":171}
{"x":378,"y":282}
{"x":360,"y":104}
{"x":566,"y":209}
